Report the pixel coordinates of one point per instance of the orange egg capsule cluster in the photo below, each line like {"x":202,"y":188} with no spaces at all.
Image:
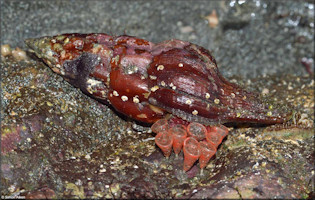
{"x":196,"y":140}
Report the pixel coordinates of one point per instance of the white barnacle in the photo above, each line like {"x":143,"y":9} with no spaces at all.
{"x":124,"y":98}
{"x":216,"y":101}
{"x":58,"y":66}
{"x":188,"y":101}
{"x":154,"y":88}
{"x":232,"y":95}
{"x":163,"y":83}
{"x":173,"y":86}
{"x":153,"y":77}
{"x":180,"y":65}
{"x":115,"y":93}
{"x":207,"y":95}
{"x":160,"y":67}
{"x":195,"y":112}
{"x":93,"y":82}
{"x":135,"y":99}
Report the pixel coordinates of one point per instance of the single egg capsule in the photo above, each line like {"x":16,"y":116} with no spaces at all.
{"x":197,"y":131}
{"x":179,"y":135}
{"x":160,"y":125}
{"x":164,"y":141}
{"x":207,"y":150}
{"x":191,"y":152}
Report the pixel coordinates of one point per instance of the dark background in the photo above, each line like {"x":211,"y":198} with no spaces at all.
{"x":252,"y":38}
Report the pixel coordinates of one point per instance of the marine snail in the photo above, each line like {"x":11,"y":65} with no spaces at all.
{"x":147,"y":82}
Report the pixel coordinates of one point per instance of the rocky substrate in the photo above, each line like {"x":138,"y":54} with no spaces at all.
{"x":57,"y":142}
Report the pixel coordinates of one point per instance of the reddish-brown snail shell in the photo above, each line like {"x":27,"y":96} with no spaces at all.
{"x":146,"y":81}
